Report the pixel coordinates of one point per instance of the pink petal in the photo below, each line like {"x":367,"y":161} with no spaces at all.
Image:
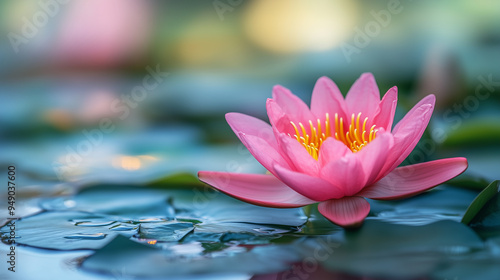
{"x":279,"y":120}
{"x":291,"y":105}
{"x":346,"y":212}
{"x":346,"y":173}
{"x":326,"y":98}
{"x":374,"y":155}
{"x":263,"y":152}
{"x":363,"y":96}
{"x":384,"y":116}
{"x":332,"y":150}
{"x":312,"y":187}
{"x":408,"y":132}
{"x":259,"y":189}
{"x":247,"y":125}
{"x":410,"y":180}
{"x":274,"y":111}
{"x":298,"y":155}
{"x":258,"y":137}
{"x":429,"y":100}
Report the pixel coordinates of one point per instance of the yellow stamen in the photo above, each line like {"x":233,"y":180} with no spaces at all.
{"x":355,"y":137}
{"x":317,"y":135}
{"x":313,"y":131}
{"x":296,"y":130}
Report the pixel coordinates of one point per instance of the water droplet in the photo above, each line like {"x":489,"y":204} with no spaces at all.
{"x":94,"y":236}
{"x":123,"y":227}
{"x":69,"y":203}
{"x":93,"y":224}
{"x":59,"y":203}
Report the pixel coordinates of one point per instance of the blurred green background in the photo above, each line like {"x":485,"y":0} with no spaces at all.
{"x":129,"y":92}
{"x":67,"y":66}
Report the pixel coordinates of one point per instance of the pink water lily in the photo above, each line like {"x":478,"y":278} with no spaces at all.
{"x":336,"y":153}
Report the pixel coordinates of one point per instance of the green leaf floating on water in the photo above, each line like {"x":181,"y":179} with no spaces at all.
{"x":165,"y":231}
{"x":132,"y":259}
{"x":469,"y":181}
{"x":484,"y":211}
{"x":88,"y":219}
{"x":380,"y":249}
{"x":131,"y":202}
{"x":124,"y":202}
{"x":67,"y":230}
{"x":442,"y":203}
{"x":474,"y":133}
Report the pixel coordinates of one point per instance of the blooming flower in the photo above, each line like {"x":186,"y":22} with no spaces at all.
{"x":336,"y":153}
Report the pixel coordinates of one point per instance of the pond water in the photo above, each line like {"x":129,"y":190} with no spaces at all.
{"x":136,"y":231}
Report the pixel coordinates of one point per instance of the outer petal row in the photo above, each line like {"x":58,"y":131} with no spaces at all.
{"x":408,"y":132}
{"x":410,"y":180}
{"x":259,"y":189}
{"x":259,"y":138}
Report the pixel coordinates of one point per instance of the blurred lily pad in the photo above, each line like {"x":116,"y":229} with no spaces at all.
{"x":484,"y":211}
{"x":474,"y":133}
{"x":471,"y":267}
{"x":181,"y":178}
{"x":469,"y":181}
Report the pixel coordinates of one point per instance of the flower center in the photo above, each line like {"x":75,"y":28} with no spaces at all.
{"x":313,"y":142}
{"x":355,"y":138}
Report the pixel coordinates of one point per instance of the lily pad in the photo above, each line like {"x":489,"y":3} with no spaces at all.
{"x":214,"y":207}
{"x":380,"y":249}
{"x":123,"y":202}
{"x":137,"y":260}
{"x":65,"y":230}
{"x":131,"y":202}
{"x":442,"y":203}
{"x":244,"y":233}
{"x":155,"y":215}
{"x":470,"y":268}
{"x":484,"y":211}
{"x":469,"y":181}
{"x":165,"y":231}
